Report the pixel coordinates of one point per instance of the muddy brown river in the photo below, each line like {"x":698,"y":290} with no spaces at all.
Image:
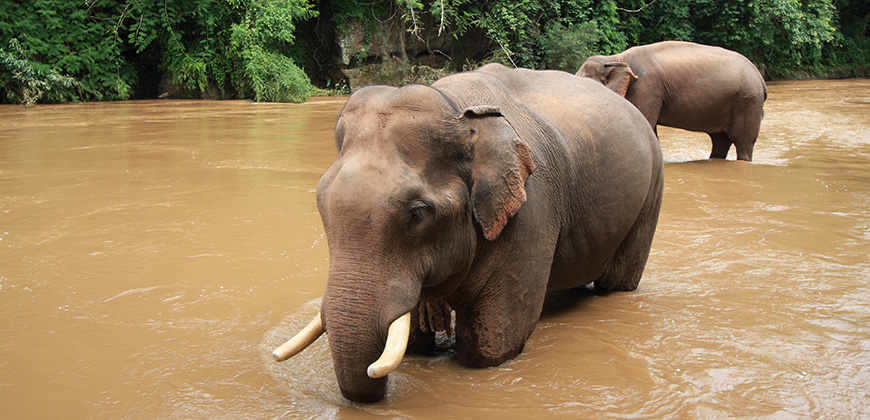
{"x":153,"y":253}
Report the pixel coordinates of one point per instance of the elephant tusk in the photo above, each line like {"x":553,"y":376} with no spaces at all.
{"x":300,"y":341}
{"x":394,"y":350}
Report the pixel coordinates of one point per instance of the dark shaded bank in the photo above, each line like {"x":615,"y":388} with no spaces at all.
{"x":828,"y":73}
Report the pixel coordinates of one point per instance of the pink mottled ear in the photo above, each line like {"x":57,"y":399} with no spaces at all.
{"x":619,"y":76}
{"x":502,"y":164}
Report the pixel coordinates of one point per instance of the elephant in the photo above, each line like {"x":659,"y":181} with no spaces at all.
{"x":690,"y":86}
{"x":475,"y":196}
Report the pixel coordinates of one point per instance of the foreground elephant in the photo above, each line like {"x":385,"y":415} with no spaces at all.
{"x":690,"y":86}
{"x":480,"y":193}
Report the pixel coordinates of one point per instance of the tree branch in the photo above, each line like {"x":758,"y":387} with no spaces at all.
{"x":638,"y":10}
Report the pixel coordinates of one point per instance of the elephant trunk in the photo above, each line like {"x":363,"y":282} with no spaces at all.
{"x":368,"y":331}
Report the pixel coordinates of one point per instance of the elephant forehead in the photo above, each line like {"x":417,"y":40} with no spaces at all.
{"x":387,"y":120}
{"x":363,"y":167}
{"x":413,"y":135}
{"x":396,"y":107}
{"x":369,"y":180}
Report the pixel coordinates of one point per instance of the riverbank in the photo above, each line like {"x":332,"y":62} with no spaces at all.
{"x":56,"y":51}
{"x":828,"y":73}
{"x":397,"y":73}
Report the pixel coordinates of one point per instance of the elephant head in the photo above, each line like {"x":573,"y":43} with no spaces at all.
{"x":616,"y":75}
{"x":416,"y":185}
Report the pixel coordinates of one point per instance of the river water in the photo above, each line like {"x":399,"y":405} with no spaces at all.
{"x":153,"y":253}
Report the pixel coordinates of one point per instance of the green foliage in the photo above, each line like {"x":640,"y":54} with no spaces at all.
{"x":61,"y":36}
{"x":803,"y":27}
{"x":257,"y":42}
{"x":517,"y":29}
{"x":852,"y":42}
{"x":781,"y":35}
{"x":235,"y":47}
{"x":69,"y":50}
{"x":238,"y":47}
{"x":33,"y":81}
{"x":275,"y":78}
{"x":410,"y":9}
{"x":566,"y":48}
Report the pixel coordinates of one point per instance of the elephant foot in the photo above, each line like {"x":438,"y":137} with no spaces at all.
{"x":744,"y":154}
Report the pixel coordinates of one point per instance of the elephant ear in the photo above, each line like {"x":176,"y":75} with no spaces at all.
{"x":618,"y":76}
{"x":502,"y":164}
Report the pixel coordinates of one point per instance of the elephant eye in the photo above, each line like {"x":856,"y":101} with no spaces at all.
{"x":419,"y":215}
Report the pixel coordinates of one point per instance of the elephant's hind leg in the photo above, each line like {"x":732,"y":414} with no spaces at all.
{"x":721,"y":145}
{"x":744,"y":132}
{"x":625,"y":268}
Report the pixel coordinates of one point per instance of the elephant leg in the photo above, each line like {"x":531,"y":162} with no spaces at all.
{"x":650,"y":106}
{"x":495,"y":321}
{"x":625,"y":268}
{"x":745,"y":133}
{"x":646,"y":95}
{"x":744,"y":150}
{"x":420,"y":342}
{"x":496,"y":330}
{"x":721,"y":145}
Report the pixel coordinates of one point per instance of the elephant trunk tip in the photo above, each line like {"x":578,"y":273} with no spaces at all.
{"x":369,"y":395}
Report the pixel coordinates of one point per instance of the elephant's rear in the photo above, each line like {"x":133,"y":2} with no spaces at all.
{"x":704,"y":88}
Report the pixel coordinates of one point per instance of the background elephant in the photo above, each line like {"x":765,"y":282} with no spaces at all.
{"x":690,"y":86}
{"x":480,"y":193}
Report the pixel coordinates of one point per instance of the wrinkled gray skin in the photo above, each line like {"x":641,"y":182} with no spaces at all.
{"x":690,"y":86}
{"x":480,"y":193}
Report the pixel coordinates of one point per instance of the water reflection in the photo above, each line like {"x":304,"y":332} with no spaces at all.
{"x":153,"y":253}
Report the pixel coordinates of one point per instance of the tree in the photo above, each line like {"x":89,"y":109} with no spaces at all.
{"x":33,"y":82}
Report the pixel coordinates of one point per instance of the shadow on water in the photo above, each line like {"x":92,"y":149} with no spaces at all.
{"x":566,"y":302}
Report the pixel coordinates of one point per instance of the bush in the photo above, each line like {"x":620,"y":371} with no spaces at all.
{"x":258,"y":41}
{"x":275,"y":78}
{"x":34,"y":81}
{"x":566,"y":48}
